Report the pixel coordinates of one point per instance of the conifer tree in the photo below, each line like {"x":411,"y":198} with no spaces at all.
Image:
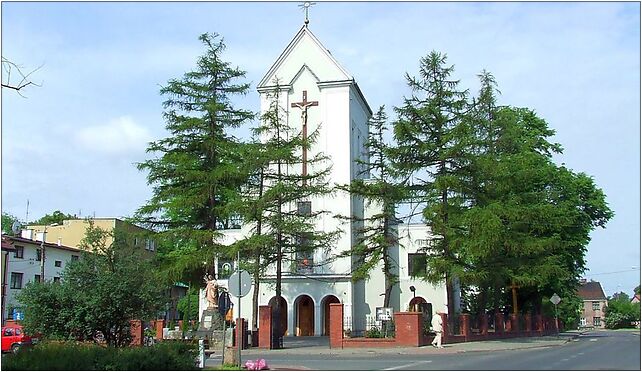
{"x":431,"y":138}
{"x":377,"y":234}
{"x":280,"y":201}
{"x":195,"y":173}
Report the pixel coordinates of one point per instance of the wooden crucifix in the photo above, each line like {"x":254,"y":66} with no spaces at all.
{"x":514,"y":287}
{"x":303,"y":105}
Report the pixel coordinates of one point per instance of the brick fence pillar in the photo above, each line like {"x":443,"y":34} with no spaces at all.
{"x":499,"y":323}
{"x":539,"y":324}
{"x":408,"y":329}
{"x":464,"y":325}
{"x":514,"y":322}
{"x":265,"y":327}
{"x":160,"y":323}
{"x":336,"y":326}
{"x":241,"y":333}
{"x":483,"y":324}
{"x":445,"y":331}
{"x":136,"y":330}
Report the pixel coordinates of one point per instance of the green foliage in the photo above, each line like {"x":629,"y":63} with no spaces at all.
{"x":55,"y":217}
{"x":188,"y":305}
{"x":374,"y":332}
{"x":196,"y":174}
{"x":7,"y":223}
{"x":636,"y":290}
{"x":74,"y":356}
{"x":620,"y":312}
{"x":101,"y":292}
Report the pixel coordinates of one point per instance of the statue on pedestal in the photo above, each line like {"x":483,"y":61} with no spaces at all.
{"x":211,"y":292}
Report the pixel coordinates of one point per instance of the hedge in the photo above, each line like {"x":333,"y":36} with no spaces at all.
{"x":73,"y":356}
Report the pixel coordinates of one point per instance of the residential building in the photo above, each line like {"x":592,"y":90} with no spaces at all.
{"x":595,"y":304}
{"x":72,"y":232}
{"x":23,"y":265}
{"x":314,"y":89}
{"x":7,"y":250}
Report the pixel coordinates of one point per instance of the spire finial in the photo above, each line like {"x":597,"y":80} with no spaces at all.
{"x":306,"y":6}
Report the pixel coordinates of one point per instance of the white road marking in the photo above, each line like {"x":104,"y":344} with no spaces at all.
{"x":593,"y":339}
{"x":406,"y":365}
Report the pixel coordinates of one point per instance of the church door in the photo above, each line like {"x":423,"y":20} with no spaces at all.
{"x":304,"y":316}
{"x":326,"y":312}
{"x":284,"y":314}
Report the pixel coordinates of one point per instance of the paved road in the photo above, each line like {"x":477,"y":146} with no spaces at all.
{"x":610,"y":350}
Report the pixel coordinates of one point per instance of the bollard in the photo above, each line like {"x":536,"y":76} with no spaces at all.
{"x":201,"y":354}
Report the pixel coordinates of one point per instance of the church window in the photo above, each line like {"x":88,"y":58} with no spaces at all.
{"x":304,"y":255}
{"x":304,"y":208}
{"x":417,"y":264}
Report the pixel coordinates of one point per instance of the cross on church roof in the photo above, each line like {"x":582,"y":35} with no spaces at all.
{"x":305,"y":6}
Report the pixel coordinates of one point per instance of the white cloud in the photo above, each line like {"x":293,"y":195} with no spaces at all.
{"x":118,"y":136}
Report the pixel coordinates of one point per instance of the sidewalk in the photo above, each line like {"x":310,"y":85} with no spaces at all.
{"x":464,"y":347}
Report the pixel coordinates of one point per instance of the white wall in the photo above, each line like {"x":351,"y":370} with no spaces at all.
{"x":29,"y":267}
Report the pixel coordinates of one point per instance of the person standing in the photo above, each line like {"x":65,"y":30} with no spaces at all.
{"x":437,"y":327}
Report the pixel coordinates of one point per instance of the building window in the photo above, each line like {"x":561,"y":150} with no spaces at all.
{"x":58,"y":263}
{"x":36,"y":278}
{"x":16,"y":280}
{"x":150,"y":245}
{"x":20,"y":251}
{"x":56,"y":279}
{"x":304,"y":208}
{"x":596,"y":305}
{"x":597,"y":321}
{"x":38,"y":254}
{"x":583,"y":322}
{"x":417,"y":264}
{"x":74,"y":257}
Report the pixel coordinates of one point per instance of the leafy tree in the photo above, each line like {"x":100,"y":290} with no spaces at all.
{"x":636,"y":290}
{"x":101,"y":292}
{"x":620,"y":312}
{"x":196,"y":174}
{"x":431,"y":136}
{"x":7,"y":223}
{"x":55,"y":217}
{"x":377,"y":234}
{"x":188,"y":305}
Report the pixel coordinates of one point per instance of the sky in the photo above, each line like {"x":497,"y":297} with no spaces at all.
{"x":71,"y":144}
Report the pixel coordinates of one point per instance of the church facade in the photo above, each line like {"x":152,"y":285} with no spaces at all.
{"x":311,"y":79}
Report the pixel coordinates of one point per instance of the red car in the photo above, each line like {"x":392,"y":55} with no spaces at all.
{"x":13,"y":338}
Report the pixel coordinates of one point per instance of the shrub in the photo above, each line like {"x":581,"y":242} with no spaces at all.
{"x":73,"y":356}
{"x":374,"y":332}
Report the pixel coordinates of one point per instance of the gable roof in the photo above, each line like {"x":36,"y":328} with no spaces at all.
{"x":339,"y":73}
{"x":18,"y":239}
{"x":591,"y":291}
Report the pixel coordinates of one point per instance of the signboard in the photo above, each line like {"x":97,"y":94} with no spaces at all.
{"x":18,"y":315}
{"x":384,"y":313}
{"x":555,"y":299}
{"x":239,"y":283}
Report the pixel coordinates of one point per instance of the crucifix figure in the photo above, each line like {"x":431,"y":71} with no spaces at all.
{"x":304,"y":118}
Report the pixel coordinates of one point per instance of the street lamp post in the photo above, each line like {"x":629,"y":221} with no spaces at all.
{"x":42,"y":253}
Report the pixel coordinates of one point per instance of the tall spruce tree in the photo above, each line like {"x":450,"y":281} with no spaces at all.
{"x":281,"y":201}
{"x":195,"y":174}
{"x":431,"y":138}
{"x":381,"y":190}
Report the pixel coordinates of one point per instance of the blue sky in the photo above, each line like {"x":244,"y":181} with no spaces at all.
{"x":71,"y":143}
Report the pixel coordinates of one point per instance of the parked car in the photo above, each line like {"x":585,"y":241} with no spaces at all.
{"x":13,"y":338}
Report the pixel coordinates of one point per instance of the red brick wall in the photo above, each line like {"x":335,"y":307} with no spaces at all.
{"x":408,"y":329}
{"x":159,"y":324}
{"x":136,"y":330}
{"x":336,"y":326}
{"x":265,"y":327}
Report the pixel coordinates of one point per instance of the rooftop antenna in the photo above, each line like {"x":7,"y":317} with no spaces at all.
{"x":27,"y":215}
{"x":306,"y":6}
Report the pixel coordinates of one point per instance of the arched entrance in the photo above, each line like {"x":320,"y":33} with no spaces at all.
{"x":283,"y":316}
{"x":414,"y":303}
{"x":304,"y":313}
{"x":326,"y":312}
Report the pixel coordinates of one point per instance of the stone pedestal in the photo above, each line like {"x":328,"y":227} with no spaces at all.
{"x":211,"y":320}
{"x":230,"y":356}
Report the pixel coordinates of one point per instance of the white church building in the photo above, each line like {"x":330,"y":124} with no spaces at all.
{"x":307,"y":71}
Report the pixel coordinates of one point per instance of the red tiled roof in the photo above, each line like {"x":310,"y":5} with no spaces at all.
{"x":48,"y":245}
{"x":591,"y":291}
{"x":6,"y":244}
